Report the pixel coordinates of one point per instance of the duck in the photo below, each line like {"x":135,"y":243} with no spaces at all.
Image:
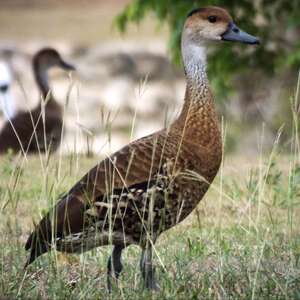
{"x":40,"y":129}
{"x":7,"y":100}
{"x":153,"y":183}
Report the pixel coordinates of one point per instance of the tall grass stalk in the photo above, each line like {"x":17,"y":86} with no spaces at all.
{"x":246,"y":246}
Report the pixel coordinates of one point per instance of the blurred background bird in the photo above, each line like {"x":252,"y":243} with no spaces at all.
{"x":7,"y":100}
{"x":40,"y":129}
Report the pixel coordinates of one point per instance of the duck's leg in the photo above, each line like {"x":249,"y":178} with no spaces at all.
{"x":147,"y":269}
{"x":114,"y":265}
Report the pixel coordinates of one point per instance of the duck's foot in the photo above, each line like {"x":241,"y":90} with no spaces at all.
{"x":114,"y":266}
{"x":148,"y":270}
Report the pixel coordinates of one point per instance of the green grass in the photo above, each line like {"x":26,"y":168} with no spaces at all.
{"x":242,"y":242}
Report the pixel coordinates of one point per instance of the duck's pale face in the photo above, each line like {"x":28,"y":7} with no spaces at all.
{"x":214,"y":24}
{"x":207,"y":24}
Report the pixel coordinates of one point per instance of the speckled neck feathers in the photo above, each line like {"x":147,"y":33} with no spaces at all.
{"x":198,"y":115}
{"x":194,"y":59}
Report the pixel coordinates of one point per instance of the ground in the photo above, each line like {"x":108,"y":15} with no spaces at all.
{"x":242,"y":242}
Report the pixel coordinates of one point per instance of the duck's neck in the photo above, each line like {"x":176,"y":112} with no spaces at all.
{"x":194,"y":60}
{"x":8,"y":105}
{"x":198,"y":117}
{"x":42,"y":80}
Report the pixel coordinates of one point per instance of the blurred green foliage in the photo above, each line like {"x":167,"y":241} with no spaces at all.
{"x":276,"y":23}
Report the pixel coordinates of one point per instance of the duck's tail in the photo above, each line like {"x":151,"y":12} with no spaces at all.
{"x":39,"y":240}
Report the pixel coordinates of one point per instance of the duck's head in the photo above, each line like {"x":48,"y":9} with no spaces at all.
{"x":214,"y":24}
{"x":48,"y":58}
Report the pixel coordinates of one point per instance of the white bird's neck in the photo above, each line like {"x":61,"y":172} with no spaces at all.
{"x":8,"y":105}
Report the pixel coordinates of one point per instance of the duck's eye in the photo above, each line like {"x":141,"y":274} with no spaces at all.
{"x":212,"y":19}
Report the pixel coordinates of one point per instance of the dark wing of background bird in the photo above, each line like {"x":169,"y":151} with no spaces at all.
{"x":29,"y":130}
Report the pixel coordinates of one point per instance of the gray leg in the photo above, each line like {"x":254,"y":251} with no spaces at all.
{"x":114,"y":265}
{"x":147,"y":269}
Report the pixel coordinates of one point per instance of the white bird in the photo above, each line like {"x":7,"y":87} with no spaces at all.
{"x":6,"y":98}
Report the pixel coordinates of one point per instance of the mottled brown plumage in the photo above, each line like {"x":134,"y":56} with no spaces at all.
{"x":40,"y":129}
{"x":151,"y":184}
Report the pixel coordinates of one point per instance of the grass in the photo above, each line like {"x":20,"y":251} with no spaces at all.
{"x":242,"y":242}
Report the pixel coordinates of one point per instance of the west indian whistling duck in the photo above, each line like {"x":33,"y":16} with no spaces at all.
{"x":153,"y":183}
{"x":6,"y":99}
{"x":40,"y":129}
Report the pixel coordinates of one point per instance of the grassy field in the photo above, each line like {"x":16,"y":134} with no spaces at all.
{"x":242,"y":242}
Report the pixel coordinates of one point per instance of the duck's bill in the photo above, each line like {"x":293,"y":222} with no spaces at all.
{"x":235,"y":34}
{"x":67,"y":66}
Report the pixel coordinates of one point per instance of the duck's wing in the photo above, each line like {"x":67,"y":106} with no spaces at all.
{"x":16,"y":132}
{"x":135,"y":165}
{"x":28,"y":132}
